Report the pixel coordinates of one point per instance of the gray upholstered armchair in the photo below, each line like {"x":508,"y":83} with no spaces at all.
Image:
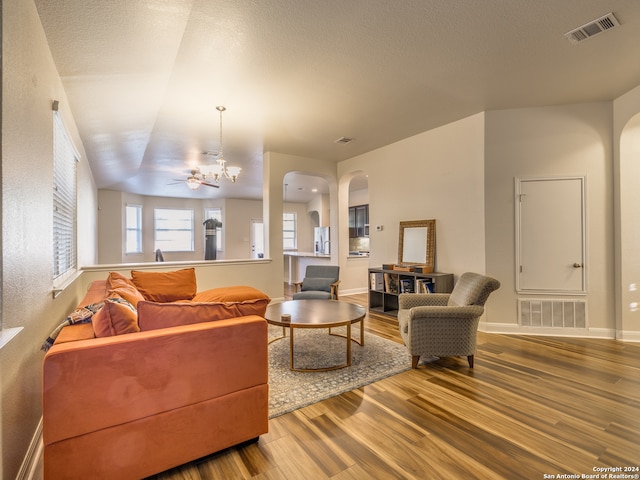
{"x":320,"y":283}
{"x":442,"y":324}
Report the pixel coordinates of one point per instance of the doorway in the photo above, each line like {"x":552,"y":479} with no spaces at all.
{"x":257,"y":238}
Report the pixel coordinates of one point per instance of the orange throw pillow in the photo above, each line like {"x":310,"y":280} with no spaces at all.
{"x":238,"y":293}
{"x":152,"y":316}
{"x":120,"y":285}
{"x":166,"y":286}
{"x":117,"y":317}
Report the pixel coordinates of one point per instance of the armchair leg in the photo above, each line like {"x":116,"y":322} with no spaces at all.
{"x":414,"y":361}
{"x":470,"y":360}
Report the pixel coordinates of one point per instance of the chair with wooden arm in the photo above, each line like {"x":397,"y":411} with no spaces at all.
{"x":320,"y":283}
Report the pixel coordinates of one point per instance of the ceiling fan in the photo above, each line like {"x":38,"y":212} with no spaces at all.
{"x":195,"y":179}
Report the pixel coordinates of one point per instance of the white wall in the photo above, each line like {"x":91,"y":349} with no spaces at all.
{"x":236,"y":226}
{"x":358,"y":197}
{"x":276,"y":166}
{"x":30,"y":83}
{"x":626,"y":134}
{"x":550,"y":141}
{"x":440,"y":177}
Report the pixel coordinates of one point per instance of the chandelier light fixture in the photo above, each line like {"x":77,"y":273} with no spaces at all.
{"x":220,"y":170}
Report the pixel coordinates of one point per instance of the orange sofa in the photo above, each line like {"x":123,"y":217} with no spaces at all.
{"x":130,"y":405}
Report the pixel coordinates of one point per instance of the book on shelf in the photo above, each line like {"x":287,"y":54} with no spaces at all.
{"x":406,"y":285}
{"x":390,"y":283}
{"x":424,"y":286}
{"x":376,"y":281}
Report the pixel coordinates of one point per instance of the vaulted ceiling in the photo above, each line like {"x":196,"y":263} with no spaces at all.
{"x":143,"y":77}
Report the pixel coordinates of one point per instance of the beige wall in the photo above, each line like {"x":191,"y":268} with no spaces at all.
{"x":626,"y":134}
{"x":440,"y":177}
{"x":542,"y":142}
{"x":461,"y":174}
{"x":236,"y":226}
{"x":29,"y":85}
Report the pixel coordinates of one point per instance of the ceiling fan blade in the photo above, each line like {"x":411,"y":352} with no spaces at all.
{"x":176,"y":182}
{"x":210,"y":184}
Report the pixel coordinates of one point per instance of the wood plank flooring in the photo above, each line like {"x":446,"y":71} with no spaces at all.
{"x":532,"y":406}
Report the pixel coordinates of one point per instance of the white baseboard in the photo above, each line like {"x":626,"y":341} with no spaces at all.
{"x":627,"y":336}
{"x":29,"y":467}
{"x":514,"y":329}
{"x":353,"y":291}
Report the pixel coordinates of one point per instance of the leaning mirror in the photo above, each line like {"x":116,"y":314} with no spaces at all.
{"x":417,"y":243}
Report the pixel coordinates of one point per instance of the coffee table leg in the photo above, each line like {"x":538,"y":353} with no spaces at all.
{"x":291,"y":347}
{"x":348,"y":344}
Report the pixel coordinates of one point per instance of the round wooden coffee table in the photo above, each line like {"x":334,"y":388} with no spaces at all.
{"x":316,"y":314}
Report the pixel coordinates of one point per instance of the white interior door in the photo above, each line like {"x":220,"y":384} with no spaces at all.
{"x":257,"y":238}
{"x":550,"y":235}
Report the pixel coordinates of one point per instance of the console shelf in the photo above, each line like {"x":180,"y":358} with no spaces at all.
{"x":386,"y":285}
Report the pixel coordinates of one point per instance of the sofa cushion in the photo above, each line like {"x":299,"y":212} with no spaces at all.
{"x":166,"y":286}
{"x":116,"y":317}
{"x":152,"y":315}
{"x":236,"y":293}
{"x":122,"y":286}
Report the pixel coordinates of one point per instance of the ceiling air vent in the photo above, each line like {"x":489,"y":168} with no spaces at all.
{"x":344,"y":140}
{"x":592,"y":28}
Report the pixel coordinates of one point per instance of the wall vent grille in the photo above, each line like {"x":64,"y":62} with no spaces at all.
{"x":552,"y":313}
{"x":593,"y":28}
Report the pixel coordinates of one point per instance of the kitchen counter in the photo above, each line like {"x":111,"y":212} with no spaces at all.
{"x":296,"y":263}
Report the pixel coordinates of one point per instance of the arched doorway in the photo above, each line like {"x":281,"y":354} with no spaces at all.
{"x":306,"y":218}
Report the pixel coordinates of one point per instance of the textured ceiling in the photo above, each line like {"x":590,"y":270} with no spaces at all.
{"x":143,"y":78}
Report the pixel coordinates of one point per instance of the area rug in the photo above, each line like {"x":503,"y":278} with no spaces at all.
{"x":377,"y":359}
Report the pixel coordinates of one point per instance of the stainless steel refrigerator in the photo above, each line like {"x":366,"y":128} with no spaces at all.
{"x":321,"y":242}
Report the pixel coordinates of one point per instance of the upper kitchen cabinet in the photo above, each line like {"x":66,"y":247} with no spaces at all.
{"x":359,"y":221}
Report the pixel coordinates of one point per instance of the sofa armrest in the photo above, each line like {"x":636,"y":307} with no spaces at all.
{"x":90,"y":385}
{"x":410,"y":300}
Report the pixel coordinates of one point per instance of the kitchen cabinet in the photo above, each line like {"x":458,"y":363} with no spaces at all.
{"x":359,"y":221}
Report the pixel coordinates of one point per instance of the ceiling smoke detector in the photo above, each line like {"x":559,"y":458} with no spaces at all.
{"x":592,"y":28}
{"x":344,"y":140}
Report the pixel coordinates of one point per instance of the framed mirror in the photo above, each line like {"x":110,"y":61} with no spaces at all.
{"x":417,"y":243}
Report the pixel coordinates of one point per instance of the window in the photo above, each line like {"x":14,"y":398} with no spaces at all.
{"x":289,"y":231}
{"x":215,"y":214}
{"x":173,"y":230}
{"x":65,"y":159}
{"x":133,"y":221}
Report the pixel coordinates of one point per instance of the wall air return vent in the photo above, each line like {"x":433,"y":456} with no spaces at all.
{"x":592,"y":28}
{"x":552,"y":313}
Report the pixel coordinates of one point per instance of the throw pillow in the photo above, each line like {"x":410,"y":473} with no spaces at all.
{"x":119,"y":285}
{"x":116,"y":280}
{"x":116,"y":317}
{"x":166,"y":286}
{"x":317,"y":284}
{"x":152,"y":316}
{"x":237,"y":293}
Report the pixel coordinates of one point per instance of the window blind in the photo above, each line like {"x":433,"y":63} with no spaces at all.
{"x":65,"y":160}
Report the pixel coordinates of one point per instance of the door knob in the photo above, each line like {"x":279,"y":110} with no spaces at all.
{"x":577,"y":265}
